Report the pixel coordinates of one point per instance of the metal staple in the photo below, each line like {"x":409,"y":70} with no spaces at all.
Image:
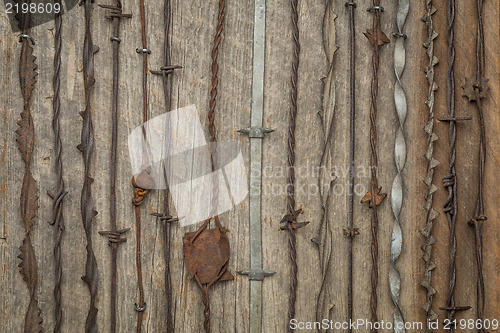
{"x":165,"y":217}
{"x":400,"y":159}
{"x":374,"y":197}
{"x":432,"y":163}
{"x":29,"y":191}
{"x":58,"y":196}
{"x":86,"y":147}
{"x":114,"y":234}
{"x":450,"y":180}
{"x":476,"y":88}
{"x":324,"y":240}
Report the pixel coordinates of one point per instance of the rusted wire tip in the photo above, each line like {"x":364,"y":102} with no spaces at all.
{"x":115,"y":236}
{"x":455,"y":308}
{"x":166,"y":218}
{"x":166,"y":69}
{"x":477,"y":219}
{"x":450,"y":119}
{"x":351,"y":232}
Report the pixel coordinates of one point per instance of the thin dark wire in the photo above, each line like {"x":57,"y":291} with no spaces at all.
{"x":352,"y":136}
{"x":165,"y":216}
{"x":476,"y":89}
{"x":58,"y":196}
{"x":114,"y":235}
{"x":450,"y":205}
{"x":139,"y":193}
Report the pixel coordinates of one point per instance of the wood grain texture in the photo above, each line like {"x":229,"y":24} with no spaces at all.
{"x":193,"y":25}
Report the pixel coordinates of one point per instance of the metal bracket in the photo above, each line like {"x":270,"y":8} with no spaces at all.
{"x":256,"y":132}
{"x":256,"y":274}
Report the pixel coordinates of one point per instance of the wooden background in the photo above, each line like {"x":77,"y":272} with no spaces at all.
{"x":192,"y":31}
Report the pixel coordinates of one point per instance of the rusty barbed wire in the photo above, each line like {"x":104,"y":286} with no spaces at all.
{"x":86,"y":147}
{"x":450,"y":180}
{"x":290,"y":219}
{"x":324,"y":239}
{"x":114,"y":234}
{"x":29,"y":191}
{"x":400,"y":160}
{"x":374,"y":197}
{"x":476,"y":88}
{"x":432,"y":163}
{"x":165,"y":217}
{"x":58,"y":196}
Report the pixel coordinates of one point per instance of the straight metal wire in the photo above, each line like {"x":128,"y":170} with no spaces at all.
{"x":375,"y":196}
{"x":476,"y":88}
{"x":114,"y":235}
{"x":60,"y":193}
{"x":29,"y":191}
{"x":86,"y":147}
{"x":432,"y":163}
{"x":450,"y":180}
{"x":324,"y":239}
{"x":141,"y":182}
{"x":165,"y":217}
{"x":351,"y":231}
{"x":400,"y":159}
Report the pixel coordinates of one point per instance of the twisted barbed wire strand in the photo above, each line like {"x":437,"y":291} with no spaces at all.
{"x":29,"y":191}
{"x":476,"y":88}
{"x":58,"y":196}
{"x":374,"y":197}
{"x":324,"y":239}
{"x":292,"y":239}
{"x":86,"y":147}
{"x":400,"y":160}
{"x":432,"y":163}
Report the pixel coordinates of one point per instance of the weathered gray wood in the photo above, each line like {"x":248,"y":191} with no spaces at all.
{"x":192,"y":30}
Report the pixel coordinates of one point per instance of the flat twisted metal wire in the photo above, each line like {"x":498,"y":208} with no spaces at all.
{"x":58,"y":196}
{"x":374,"y":197}
{"x":324,"y":240}
{"x":292,"y":239}
{"x":351,"y":231}
{"x":476,"y":88}
{"x":29,"y":191}
{"x":432,"y":163}
{"x":400,"y":159}
{"x":114,"y":235}
{"x":86,"y":147}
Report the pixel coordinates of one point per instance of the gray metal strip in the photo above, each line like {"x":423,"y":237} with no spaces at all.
{"x":256,"y":133}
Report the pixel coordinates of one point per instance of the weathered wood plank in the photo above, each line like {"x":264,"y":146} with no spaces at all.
{"x":192,"y":32}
